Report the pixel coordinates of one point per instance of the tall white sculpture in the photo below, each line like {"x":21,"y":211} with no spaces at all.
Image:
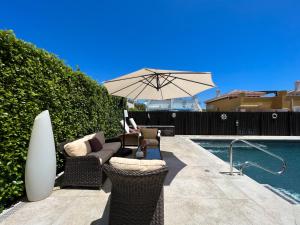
{"x":40,"y":168}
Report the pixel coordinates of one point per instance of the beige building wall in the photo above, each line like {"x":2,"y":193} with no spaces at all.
{"x":224,"y":105}
{"x":242,"y":103}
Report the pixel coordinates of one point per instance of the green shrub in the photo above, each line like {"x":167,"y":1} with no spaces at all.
{"x":33,"y":80}
{"x":139,"y":107}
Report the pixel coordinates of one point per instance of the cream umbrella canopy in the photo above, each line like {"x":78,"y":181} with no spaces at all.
{"x":156,"y":84}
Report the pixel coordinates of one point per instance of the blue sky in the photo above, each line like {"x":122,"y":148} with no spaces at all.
{"x":252,"y":45}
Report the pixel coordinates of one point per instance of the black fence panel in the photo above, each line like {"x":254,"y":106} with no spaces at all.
{"x":139,"y":117}
{"x":154,"y":118}
{"x":224,"y":123}
{"x":275,"y":123}
{"x":181,"y":125}
{"x":248,"y":123}
{"x":201,"y":125}
{"x":165,"y":118}
{"x":295,"y":123}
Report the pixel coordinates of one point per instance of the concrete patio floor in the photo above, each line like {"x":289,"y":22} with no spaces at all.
{"x":195,"y":193}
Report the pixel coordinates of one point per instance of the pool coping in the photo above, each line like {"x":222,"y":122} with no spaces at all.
{"x":246,"y":137}
{"x":270,"y":188}
{"x":286,"y":197}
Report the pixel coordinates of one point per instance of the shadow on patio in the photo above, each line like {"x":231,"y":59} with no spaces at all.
{"x":174,"y":164}
{"x":104,"y":219}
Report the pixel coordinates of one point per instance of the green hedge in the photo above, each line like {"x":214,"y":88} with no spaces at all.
{"x":33,"y":80}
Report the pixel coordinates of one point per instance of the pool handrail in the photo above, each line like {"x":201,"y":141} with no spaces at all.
{"x":249,"y":163}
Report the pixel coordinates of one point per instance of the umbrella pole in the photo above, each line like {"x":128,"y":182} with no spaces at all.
{"x":125,"y":114}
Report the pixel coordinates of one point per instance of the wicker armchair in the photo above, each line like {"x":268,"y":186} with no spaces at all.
{"x":136,"y":197}
{"x":83,"y":171}
{"x":151,"y":136}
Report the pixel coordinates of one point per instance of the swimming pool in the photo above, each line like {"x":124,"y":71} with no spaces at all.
{"x":287,"y":183}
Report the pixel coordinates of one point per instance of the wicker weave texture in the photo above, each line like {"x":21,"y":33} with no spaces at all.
{"x":136,"y":197}
{"x":85,"y":171}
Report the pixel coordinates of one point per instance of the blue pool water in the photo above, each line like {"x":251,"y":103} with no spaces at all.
{"x":288,"y":183}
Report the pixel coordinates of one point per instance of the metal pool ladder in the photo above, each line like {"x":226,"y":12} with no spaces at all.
{"x":249,"y":163}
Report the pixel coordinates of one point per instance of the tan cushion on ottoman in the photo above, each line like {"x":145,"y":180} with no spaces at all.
{"x":80,"y":147}
{"x":136,"y":164}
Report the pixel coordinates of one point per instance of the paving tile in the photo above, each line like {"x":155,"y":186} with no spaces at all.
{"x":198,"y":211}
{"x":203,"y":187}
{"x":229,"y":189}
{"x":296,"y":210}
{"x":42,"y":212}
{"x":94,"y":212}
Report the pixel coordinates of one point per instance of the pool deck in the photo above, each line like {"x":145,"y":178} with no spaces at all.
{"x":252,"y":137}
{"x":195,"y":193}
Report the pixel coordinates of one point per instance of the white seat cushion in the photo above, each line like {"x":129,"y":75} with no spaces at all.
{"x":136,"y":164}
{"x":113,"y":146}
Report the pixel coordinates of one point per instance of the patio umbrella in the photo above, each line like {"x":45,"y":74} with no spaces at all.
{"x":156,"y":84}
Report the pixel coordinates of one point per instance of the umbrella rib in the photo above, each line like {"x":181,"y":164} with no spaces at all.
{"x":169,"y":81}
{"x":129,"y":78}
{"x":129,"y":85}
{"x":134,"y":89}
{"x":155,"y":73}
{"x":165,"y":76}
{"x":144,"y":87}
{"x":157,"y":78}
{"x":180,"y":88}
{"x":149,"y":82}
{"x":183,"y":72}
{"x":180,"y":78}
{"x":186,"y":72}
{"x":151,"y":71}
